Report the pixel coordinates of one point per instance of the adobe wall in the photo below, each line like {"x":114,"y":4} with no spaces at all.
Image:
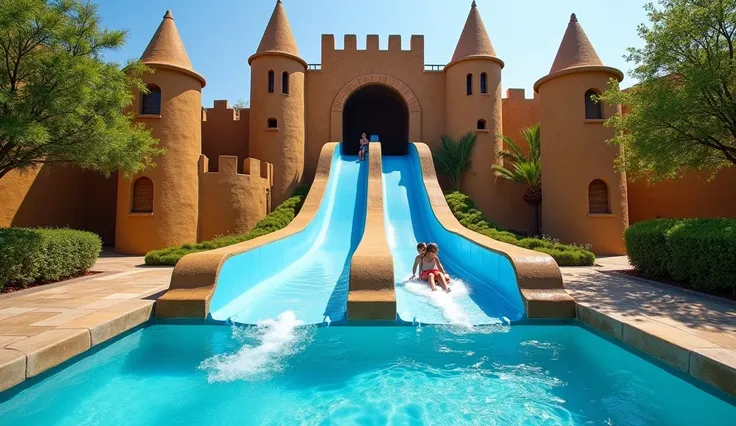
{"x":518,"y":113}
{"x":232,"y":202}
{"x":59,"y":196}
{"x":175,"y":178}
{"x":223,"y":134}
{"x":342,"y":67}
{"x":691,"y":196}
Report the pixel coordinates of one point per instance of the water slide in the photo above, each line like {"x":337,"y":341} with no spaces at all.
{"x":485,"y":289}
{"x":306,"y":272}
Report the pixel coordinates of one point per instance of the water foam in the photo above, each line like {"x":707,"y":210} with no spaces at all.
{"x":445,"y":302}
{"x":264,"y":351}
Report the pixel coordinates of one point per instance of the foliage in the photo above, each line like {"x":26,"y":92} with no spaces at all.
{"x":277,"y":219}
{"x":683,"y":112}
{"x":240,"y":104}
{"x":564,"y":254}
{"x":453,"y":158}
{"x":525,"y":169}
{"x":59,"y":100}
{"x":42,"y":255}
{"x":698,"y":253}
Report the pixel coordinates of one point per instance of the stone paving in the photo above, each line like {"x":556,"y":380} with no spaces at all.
{"x":689,"y":331}
{"x":44,"y":326}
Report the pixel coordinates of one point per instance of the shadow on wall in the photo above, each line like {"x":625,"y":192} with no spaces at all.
{"x":67,"y":196}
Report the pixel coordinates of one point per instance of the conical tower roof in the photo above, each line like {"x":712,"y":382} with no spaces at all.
{"x":278,"y":38}
{"x":576,"y":53}
{"x":166,"y":50}
{"x":474,"y":41}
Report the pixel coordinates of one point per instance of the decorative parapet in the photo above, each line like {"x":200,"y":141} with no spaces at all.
{"x":331,"y":55}
{"x":231,"y":202}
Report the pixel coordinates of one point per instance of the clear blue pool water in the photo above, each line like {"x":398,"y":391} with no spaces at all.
{"x":278,"y":373}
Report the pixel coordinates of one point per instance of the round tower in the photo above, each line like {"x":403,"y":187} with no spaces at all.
{"x":277,"y":105}
{"x":583,"y":196}
{"x":160,"y":206}
{"x":473,"y":104}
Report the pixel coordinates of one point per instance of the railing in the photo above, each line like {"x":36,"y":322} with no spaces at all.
{"x":427,"y":67}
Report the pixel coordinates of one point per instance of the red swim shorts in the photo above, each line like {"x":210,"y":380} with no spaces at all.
{"x":425,"y":274}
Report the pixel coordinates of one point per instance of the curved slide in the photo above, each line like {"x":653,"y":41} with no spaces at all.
{"x":485,"y":289}
{"x":306,"y":272}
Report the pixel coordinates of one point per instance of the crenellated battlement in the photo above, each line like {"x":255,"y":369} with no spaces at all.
{"x":228,"y":165}
{"x":232,"y":202}
{"x":372,"y":51}
{"x":518,"y":95}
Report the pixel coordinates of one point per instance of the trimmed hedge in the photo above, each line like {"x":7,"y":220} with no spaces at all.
{"x":697,"y":253}
{"x":277,"y":219}
{"x":564,"y":254}
{"x":30,"y":256}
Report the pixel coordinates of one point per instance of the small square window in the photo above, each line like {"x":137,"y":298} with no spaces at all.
{"x":273,"y":123}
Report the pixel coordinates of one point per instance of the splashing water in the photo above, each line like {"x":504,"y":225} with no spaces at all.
{"x":264,"y":351}
{"x":445,"y":302}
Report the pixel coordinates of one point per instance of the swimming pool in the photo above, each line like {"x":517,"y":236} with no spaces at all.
{"x":281,"y":373}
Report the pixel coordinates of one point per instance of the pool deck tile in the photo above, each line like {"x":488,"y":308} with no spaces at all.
{"x":12,"y":368}
{"x":692,"y":332}
{"x":44,"y":326}
{"x":51,"y":348}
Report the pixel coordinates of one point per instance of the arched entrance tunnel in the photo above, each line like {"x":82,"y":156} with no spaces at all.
{"x":376,"y":110}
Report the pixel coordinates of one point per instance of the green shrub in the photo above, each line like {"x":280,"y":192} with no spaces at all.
{"x":646,"y":245}
{"x":698,"y":253}
{"x":277,"y":219}
{"x":565,"y":255}
{"x":30,"y":256}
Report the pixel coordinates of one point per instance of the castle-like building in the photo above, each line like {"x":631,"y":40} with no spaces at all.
{"x":224,"y":169}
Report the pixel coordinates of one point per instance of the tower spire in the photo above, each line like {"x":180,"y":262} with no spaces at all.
{"x":166,"y":49}
{"x":278,"y":37}
{"x":575,"y":49}
{"x":474,"y":40}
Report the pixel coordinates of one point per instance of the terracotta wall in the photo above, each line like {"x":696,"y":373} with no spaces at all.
{"x":175,"y":177}
{"x":223,"y":134}
{"x":692,"y":196}
{"x":59,"y":196}
{"x":574,"y":153}
{"x":518,"y":113}
{"x":232,"y":202}
{"x":341,"y":67}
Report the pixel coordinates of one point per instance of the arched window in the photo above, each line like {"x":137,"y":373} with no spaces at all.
{"x":593,"y":109}
{"x":483,"y":83}
{"x":598,"y":197}
{"x":285,"y":83}
{"x":273,"y":123}
{"x":271,"y":83}
{"x":469,"y":84}
{"x":481,"y":124}
{"x":142,"y":195}
{"x":151,"y":101}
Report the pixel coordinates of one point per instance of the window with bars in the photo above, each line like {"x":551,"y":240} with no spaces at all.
{"x":151,"y":101}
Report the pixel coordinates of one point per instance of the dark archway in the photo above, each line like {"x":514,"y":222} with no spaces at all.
{"x":376,"y":110}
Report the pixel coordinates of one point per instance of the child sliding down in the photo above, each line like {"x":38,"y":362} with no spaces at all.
{"x":431,"y":268}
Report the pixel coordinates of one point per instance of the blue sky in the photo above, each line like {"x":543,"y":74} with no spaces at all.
{"x":220,"y":35}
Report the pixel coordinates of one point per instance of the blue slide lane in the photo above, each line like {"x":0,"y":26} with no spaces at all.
{"x":306,"y":273}
{"x":484,"y":283}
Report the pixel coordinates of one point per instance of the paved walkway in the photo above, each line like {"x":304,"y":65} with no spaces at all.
{"x":44,"y":326}
{"x":687,"y":330}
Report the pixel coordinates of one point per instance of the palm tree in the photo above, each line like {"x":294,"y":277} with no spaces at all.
{"x":453,"y":158}
{"x":524,"y":168}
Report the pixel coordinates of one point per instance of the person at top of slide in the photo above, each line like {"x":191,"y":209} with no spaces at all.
{"x":363,"y":147}
{"x":431,"y":267}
